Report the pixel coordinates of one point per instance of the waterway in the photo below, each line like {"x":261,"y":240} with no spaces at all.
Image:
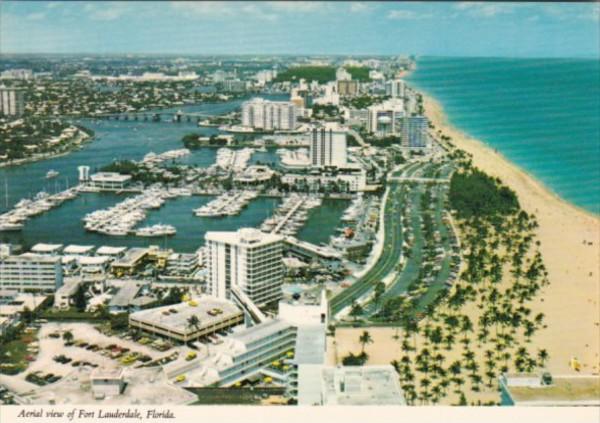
{"x":131,"y":140}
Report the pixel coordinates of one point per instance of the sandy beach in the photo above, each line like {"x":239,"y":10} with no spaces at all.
{"x":569,"y":239}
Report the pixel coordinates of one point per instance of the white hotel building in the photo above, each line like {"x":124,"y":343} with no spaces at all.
{"x":31,"y":272}
{"x":248,"y":259}
{"x":268,"y":115}
{"x":327,"y":148}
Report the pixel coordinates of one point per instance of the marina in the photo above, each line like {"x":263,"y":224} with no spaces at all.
{"x":233,"y":160}
{"x":291,"y":214}
{"x":15,"y":219}
{"x":227,"y":204}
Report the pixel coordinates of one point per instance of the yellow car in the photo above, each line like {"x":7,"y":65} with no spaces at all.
{"x":191,"y":355}
{"x":180,"y":378}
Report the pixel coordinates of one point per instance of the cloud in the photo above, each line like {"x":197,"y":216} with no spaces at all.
{"x":107,"y":12}
{"x":485,"y":10}
{"x":222,"y":10}
{"x":297,"y":6}
{"x":402,"y":14}
{"x":360,"y":7}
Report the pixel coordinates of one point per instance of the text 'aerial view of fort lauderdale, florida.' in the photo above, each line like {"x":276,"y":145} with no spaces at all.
{"x":286,"y":204}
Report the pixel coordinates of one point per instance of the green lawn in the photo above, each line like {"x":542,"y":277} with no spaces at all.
{"x":13,"y":353}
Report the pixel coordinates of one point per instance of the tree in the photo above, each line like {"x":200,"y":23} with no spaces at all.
{"x":193,"y":321}
{"x":364,"y":339}
{"x":27,"y":315}
{"x":356,"y":310}
{"x":379,"y":290}
{"x":68,"y":337}
{"x":542,"y":357}
{"x":79,"y":298}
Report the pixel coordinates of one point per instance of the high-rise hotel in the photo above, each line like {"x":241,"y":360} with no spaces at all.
{"x":248,"y":259}
{"x":327,"y":148}
{"x":12,"y":101}
{"x":259,"y":113}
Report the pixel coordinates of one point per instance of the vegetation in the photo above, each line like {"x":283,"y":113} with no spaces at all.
{"x":193,"y":141}
{"x":503,"y":273}
{"x":355,"y":360}
{"x":321,"y":74}
{"x":473,"y":193}
{"x":359,"y":73}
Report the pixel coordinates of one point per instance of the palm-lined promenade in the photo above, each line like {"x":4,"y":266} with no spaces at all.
{"x":415,"y":231}
{"x":390,"y":256}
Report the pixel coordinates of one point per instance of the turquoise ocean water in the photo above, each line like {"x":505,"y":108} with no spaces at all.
{"x":542,"y":114}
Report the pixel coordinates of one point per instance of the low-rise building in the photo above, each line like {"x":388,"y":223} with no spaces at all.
{"x":549,"y":391}
{"x":190,"y":320}
{"x":107,"y":382}
{"x":361,"y":385}
{"x":109,"y":180}
{"x":130,"y":262}
{"x":30,"y":272}
{"x":131,"y":296}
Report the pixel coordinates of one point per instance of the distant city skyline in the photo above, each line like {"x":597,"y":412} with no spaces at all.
{"x":302,"y":28}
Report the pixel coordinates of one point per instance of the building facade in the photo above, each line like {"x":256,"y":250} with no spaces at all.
{"x":248,"y":259}
{"x":12,"y":101}
{"x":327,"y":148}
{"x":269,"y":115}
{"x":31,"y":273}
{"x":395,"y":88}
{"x":386,"y":119}
{"x":348,"y":88}
{"x":414,"y":131}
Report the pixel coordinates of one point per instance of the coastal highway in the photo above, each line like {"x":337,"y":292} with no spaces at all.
{"x":389,"y":258}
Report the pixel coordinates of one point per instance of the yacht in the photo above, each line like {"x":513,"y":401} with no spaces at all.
{"x":156,"y":230}
{"x":51,"y":174}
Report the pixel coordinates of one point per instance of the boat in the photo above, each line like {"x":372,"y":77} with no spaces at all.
{"x":156,"y":230}
{"x":51,"y":174}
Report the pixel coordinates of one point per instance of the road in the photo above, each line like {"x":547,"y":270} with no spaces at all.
{"x":389,"y":258}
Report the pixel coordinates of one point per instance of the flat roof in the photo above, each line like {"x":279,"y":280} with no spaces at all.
{"x":93,"y":261}
{"x":126,"y":294}
{"x":175,"y":317}
{"x":109,"y":177}
{"x":110,"y":251}
{"x":361,"y":385}
{"x":260,"y":331}
{"x":78,"y":249}
{"x":46,"y":248}
{"x":563,"y":389}
{"x":131,"y":257}
{"x":32,"y":258}
{"x":246,"y":237}
{"x":310,"y":344}
{"x":69,"y":287}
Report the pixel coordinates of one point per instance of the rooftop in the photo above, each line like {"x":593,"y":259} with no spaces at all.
{"x":364,"y":385}
{"x":175,"y":317}
{"x":110,"y":251}
{"x":46,"y":248}
{"x":564,"y":389}
{"x":243,"y":237}
{"x":126,"y":294}
{"x":109,"y":177}
{"x":255,"y":333}
{"x":78,"y":249}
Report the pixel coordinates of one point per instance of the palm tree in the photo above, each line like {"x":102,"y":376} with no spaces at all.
{"x":542,"y":357}
{"x":68,"y":337}
{"x":364,"y":339}
{"x":193,"y":321}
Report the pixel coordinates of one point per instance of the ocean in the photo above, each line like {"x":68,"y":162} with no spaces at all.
{"x":542,"y":114}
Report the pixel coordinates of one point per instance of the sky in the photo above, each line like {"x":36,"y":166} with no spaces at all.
{"x":347,"y":28}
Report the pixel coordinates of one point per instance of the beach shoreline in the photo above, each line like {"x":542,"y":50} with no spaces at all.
{"x":569,"y":237}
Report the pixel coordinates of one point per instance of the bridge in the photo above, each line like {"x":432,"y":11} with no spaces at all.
{"x":178,"y":116}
